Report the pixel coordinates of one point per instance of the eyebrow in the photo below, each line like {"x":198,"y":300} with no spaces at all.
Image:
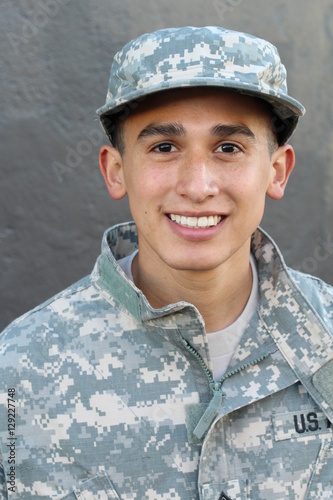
{"x":177,"y":130}
{"x":167,"y":129}
{"x":222,"y":130}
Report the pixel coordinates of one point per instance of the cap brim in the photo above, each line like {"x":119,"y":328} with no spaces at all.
{"x":286,"y":108}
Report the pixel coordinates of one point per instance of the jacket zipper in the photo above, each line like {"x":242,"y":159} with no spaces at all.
{"x":215,"y":388}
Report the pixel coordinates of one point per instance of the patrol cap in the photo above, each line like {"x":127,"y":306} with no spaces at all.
{"x":198,"y":57}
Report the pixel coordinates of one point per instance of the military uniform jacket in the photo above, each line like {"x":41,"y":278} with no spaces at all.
{"x":103,"y":397}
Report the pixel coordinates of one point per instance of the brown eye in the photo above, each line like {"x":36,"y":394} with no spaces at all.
{"x":164,"y":147}
{"x":228,"y":148}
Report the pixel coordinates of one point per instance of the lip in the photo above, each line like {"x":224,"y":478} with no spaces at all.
{"x":187,"y":213}
{"x":196,"y":234}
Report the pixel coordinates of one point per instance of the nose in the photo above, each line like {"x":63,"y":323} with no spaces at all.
{"x":196,"y":179}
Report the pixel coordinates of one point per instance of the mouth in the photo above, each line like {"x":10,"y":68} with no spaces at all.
{"x":202,"y":222}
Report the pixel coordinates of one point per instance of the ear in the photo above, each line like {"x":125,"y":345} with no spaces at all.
{"x":282,"y":164}
{"x":111,"y":167}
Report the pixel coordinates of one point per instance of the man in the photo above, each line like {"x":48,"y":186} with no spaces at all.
{"x":192,"y":363}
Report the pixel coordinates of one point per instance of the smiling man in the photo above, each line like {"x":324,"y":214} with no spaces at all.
{"x":197,"y":170}
{"x":192,"y":363}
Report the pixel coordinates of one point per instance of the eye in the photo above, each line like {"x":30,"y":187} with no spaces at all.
{"x":165,"y":147}
{"x":229,"y":148}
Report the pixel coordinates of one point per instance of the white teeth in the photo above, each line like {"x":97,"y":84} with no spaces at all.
{"x":192,"y":221}
{"x":196,"y":222}
{"x":202,"y":221}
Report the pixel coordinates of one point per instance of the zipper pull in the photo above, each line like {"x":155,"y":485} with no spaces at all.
{"x":210,"y":413}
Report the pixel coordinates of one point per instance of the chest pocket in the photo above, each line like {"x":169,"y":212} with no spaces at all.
{"x":96,"y":488}
{"x":305,"y":426}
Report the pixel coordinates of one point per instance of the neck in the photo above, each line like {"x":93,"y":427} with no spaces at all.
{"x":220,"y":295}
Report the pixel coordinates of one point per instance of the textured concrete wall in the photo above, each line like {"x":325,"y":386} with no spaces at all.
{"x":55,"y":58}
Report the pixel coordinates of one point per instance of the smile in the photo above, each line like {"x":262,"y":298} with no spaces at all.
{"x":196,"y":222}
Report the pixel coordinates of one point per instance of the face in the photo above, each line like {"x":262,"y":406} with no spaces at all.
{"x":196,"y":168}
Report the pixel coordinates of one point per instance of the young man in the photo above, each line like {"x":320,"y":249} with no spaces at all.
{"x":192,"y":363}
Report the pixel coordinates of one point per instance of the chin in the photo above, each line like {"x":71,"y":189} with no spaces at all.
{"x":199,"y":265}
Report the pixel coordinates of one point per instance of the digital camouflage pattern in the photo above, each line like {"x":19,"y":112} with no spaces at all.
{"x":209,"y":56}
{"x":109,"y":391}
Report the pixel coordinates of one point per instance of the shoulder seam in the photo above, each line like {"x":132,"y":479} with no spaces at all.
{"x":67,"y":292}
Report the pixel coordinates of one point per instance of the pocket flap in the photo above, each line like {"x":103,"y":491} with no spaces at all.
{"x":96,"y":488}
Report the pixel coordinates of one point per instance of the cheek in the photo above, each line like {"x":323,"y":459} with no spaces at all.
{"x":243,"y":186}
{"x":157,"y":178}
{"x":249,"y":191}
{"x":148,"y":177}
{"x":145,"y":196}
{"x":150,"y":187}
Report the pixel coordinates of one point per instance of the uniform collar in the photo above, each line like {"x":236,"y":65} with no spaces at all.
{"x":118,"y":242}
{"x":275,"y":281}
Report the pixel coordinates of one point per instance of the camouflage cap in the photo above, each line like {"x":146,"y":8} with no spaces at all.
{"x":196,"y":57}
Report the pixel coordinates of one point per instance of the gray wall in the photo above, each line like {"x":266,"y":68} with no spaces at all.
{"x":55,"y":58}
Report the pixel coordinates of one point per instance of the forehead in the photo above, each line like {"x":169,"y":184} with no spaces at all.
{"x":219,"y":104}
